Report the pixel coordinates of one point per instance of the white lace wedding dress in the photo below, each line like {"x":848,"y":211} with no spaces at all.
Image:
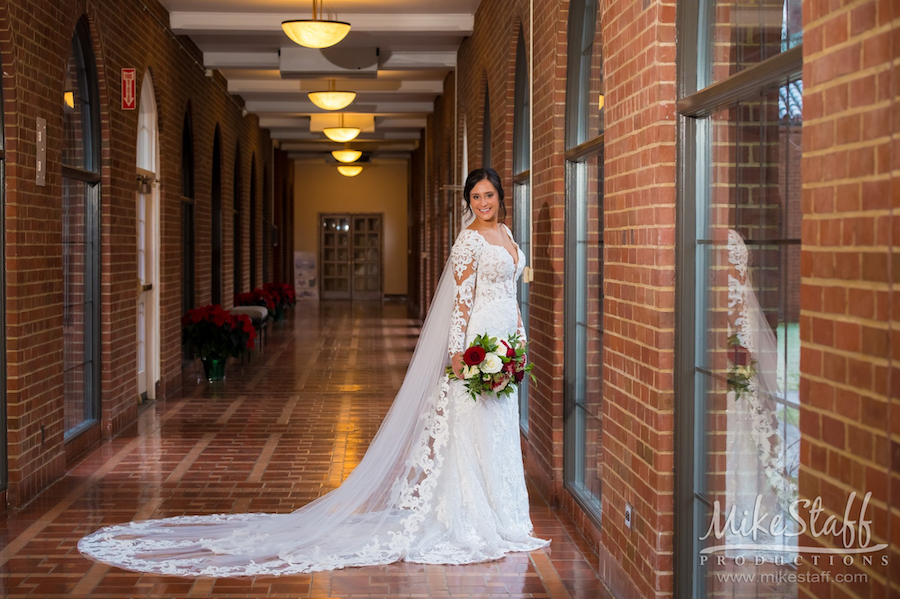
{"x":442,"y":481}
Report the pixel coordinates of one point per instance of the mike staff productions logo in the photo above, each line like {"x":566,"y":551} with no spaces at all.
{"x":849,"y":538}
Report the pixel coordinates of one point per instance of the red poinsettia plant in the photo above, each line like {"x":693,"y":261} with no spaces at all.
{"x":257,"y":297}
{"x":216,"y":333}
{"x":283,"y":293}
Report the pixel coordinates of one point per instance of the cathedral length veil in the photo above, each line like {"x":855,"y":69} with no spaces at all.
{"x":370,"y":519}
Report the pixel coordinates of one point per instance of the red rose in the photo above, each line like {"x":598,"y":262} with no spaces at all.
{"x":520,"y":374}
{"x":510,"y":352}
{"x":474,"y":356}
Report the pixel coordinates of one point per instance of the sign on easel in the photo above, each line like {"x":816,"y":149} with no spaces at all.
{"x":129,"y":97}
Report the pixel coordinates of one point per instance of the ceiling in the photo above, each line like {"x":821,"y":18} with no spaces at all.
{"x":396,"y":57}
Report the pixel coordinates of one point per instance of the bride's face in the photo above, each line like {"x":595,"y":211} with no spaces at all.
{"x":485,"y":202}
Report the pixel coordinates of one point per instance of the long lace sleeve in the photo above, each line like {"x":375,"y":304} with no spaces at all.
{"x":464,"y":262}
{"x":520,"y":328}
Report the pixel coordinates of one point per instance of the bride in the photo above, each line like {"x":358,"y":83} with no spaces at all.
{"x":442,"y":481}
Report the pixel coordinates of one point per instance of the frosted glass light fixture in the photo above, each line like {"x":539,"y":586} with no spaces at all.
{"x":346,"y":155}
{"x":316,"y":32}
{"x":349,"y":170}
{"x":332,"y":99}
{"x":341,"y":134}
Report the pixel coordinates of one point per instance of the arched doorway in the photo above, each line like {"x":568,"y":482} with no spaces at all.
{"x":147,"y":217}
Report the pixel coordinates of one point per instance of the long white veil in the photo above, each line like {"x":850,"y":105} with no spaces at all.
{"x":760,"y":443}
{"x":370,"y":519}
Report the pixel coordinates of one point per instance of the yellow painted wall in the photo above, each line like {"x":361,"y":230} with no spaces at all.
{"x":381,"y":187}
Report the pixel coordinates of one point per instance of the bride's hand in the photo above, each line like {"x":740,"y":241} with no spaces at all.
{"x":456,"y":363}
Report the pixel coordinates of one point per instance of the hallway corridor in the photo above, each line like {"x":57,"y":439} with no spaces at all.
{"x":280,"y":431}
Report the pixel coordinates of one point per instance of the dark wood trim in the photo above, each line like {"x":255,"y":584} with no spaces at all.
{"x":80,"y":174}
{"x":747,"y":83}
{"x":582,"y":151}
{"x":522,"y":177}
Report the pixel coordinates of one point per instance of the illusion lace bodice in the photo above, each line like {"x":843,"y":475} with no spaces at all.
{"x":486,"y":277}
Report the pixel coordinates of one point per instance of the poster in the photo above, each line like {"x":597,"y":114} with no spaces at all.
{"x":305,"y":276}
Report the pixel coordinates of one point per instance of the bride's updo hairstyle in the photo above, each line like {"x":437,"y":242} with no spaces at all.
{"x":481,"y":174}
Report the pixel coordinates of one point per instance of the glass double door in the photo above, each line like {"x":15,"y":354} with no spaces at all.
{"x":350,"y":248}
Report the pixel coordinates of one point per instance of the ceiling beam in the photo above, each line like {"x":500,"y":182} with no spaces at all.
{"x":189,"y":22}
{"x":367,"y":86}
{"x":305,"y":107}
{"x":419,"y":60}
{"x":381,"y":136}
{"x":241,"y":60}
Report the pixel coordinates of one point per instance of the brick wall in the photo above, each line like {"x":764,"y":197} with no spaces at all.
{"x":636,"y":458}
{"x":850,"y":381}
{"x":35,"y":42}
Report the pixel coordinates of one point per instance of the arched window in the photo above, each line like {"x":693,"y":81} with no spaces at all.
{"x":522,"y":190}
{"x":187,"y":214}
{"x":236,"y":234}
{"x":486,"y":130}
{"x":584,"y":257}
{"x":254,"y":222}
{"x":81,"y":237}
{"x":216,"y":218}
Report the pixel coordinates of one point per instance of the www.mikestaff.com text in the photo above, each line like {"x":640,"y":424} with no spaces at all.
{"x":792,"y":577}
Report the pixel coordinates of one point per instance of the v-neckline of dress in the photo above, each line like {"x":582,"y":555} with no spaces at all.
{"x":515,"y":258}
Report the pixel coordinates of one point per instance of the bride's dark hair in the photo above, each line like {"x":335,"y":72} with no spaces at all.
{"x":481,"y":174}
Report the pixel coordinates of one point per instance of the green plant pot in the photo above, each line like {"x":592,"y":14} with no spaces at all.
{"x":279,"y":312}
{"x":214,"y":368}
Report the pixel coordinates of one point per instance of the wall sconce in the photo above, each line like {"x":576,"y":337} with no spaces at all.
{"x":144,"y":184}
{"x":69,"y":101}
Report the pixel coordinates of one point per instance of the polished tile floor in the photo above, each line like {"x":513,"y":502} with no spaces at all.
{"x":280,"y":431}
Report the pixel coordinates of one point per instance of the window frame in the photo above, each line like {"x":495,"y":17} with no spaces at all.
{"x":580,"y":148}
{"x":90,"y":178}
{"x":522,"y":193}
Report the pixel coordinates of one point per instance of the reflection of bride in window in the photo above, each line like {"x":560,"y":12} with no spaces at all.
{"x":763,"y":428}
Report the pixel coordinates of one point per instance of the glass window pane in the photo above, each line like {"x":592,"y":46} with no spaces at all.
{"x":80,"y":121}
{"x":747,"y":331}
{"x":522,"y":230}
{"x":742,"y":34}
{"x":79,"y":304}
{"x":584,"y":85}
{"x":584,"y":330}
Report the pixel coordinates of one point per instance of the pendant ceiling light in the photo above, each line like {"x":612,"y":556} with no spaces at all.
{"x":350,"y":170}
{"x":346,"y":155}
{"x":341,"y":134}
{"x":316,"y":32}
{"x":332,"y":99}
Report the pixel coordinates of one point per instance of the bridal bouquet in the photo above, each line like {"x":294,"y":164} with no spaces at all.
{"x":493,"y":366}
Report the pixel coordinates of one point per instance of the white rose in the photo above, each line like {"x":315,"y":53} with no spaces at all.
{"x":491,"y":364}
{"x":470,"y":372}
